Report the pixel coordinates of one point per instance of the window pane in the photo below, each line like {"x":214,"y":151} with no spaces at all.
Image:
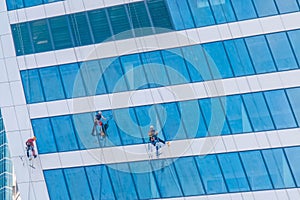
{"x":139,"y":18}
{"x":40,"y":35}
{"x":280,"y":109}
{"x":119,"y":22}
{"x":239,"y":57}
{"x":134,"y":72}
{"x":100,"y":26}
{"x":214,"y":116}
{"x":154,"y":69}
{"x":130,"y":134}
{"x":192,"y":118}
{"x":211,"y":175}
{"x":43,"y":131}
{"x":100,"y":182}
{"x":293,"y":156}
{"x":72,"y":80}
{"x":122,"y":181}
{"x":197,"y":63}
{"x":258,"y":112}
{"x":167,"y":181}
{"x":223,"y":11}
{"x":180,"y":14}
{"x":91,"y":74}
{"x":22,"y":39}
{"x":77,"y":183}
{"x":287,"y":6}
{"x":265,"y":7}
{"x":201,"y":12}
{"x":282,"y":52}
{"x":174,"y":60}
{"x":60,"y":32}
{"x":233,"y":172}
{"x":144,"y":180}
{"x":80,"y":29}
{"x":256,"y":170}
{"x":243,"y":9}
{"x":260,"y":54}
{"x":295,"y":41}
{"x":32,"y":86}
{"x":112,"y":132}
{"x":219,"y":66}
{"x":56,"y":184}
{"x":113,"y":75}
{"x":189,"y":176}
{"x":14,"y":4}
{"x":159,"y":15}
{"x":278,"y":168}
{"x":64,"y":133}
{"x":29,"y":3}
{"x":294,"y":97}
{"x":236,"y":115}
{"x":51,"y":82}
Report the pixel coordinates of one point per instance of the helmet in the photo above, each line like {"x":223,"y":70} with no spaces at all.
{"x":151,"y":126}
{"x":34,"y":138}
{"x":100,"y":112}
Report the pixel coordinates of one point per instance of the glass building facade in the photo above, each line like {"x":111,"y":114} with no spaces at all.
{"x":219,"y":80}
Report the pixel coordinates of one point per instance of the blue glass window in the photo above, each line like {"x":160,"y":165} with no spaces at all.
{"x":243,"y":9}
{"x":189,"y":176}
{"x":100,"y":182}
{"x":233,"y":171}
{"x":219,"y":65}
{"x":278,"y":168}
{"x":211,"y":174}
{"x":14,"y":4}
{"x":32,"y":86}
{"x":119,"y":22}
{"x":29,"y":3}
{"x":113,"y":75}
{"x":144,"y":180}
{"x":122,"y":181}
{"x":294,"y":97}
{"x":223,"y":11}
{"x":64,"y":133}
{"x":256,"y":170}
{"x":80,"y":29}
{"x":293,"y":157}
{"x":282,"y":52}
{"x":166,"y":178}
{"x":239,"y":57}
{"x":190,"y":113}
{"x":130,"y":134}
{"x":260,"y":54}
{"x":160,"y":15}
{"x":280,"y":109}
{"x":113,"y":131}
{"x":146,"y":116}
{"x":237,"y":115}
{"x":100,"y":26}
{"x":72,"y":80}
{"x":134,"y":72}
{"x":22,"y":38}
{"x":154,"y":69}
{"x":51,"y":82}
{"x":56,"y":184}
{"x":180,"y":14}
{"x":175,"y":66}
{"x":41,"y":36}
{"x":258,"y":112}
{"x":139,"y":18}
{"x":214,"y":116}
{"x":61,"y":32}
{"x":45,"y":139}
{"x":265,"y":8}
{"x":202,"y":13}
{"x":287,"y":6}
{"x":295,"y":41}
